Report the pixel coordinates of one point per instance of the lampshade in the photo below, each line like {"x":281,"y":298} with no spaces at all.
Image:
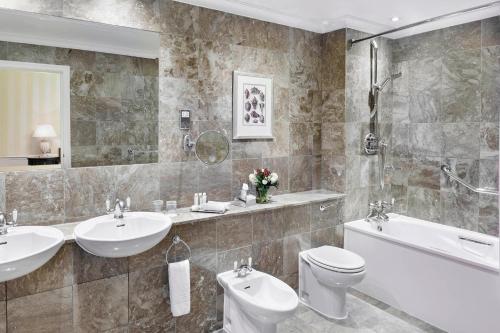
{"x":44,"y":131}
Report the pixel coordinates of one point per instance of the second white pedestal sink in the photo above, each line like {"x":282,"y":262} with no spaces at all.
{"x":105,"y":236}
{"x":24,"y":249}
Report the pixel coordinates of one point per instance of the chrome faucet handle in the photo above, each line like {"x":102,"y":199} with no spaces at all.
{"x":14,"y":219}
{"x":373,"y":213}
{"x":244,"y":270}
{"x":109,"y":210}
{"x":128,"y":201}
{"x":3,"y":224}
{"x":385,"y":204}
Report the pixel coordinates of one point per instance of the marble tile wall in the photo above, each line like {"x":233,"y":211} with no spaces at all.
{"x":84,"y":293}
{"x":446,"y":109}
{"x":200,"y":49}
{"x":332,"y":113}
{"x":57,"y":196}
{"x":114,"y":103}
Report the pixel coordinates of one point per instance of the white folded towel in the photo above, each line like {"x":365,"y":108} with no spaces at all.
{"x":215,"y":207}
{"x":179,"y":286}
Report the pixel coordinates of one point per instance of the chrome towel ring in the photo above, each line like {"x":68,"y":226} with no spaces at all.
{"x":176,"y":240}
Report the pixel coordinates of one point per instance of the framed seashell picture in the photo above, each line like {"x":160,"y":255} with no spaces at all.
{"x":252,"y":106}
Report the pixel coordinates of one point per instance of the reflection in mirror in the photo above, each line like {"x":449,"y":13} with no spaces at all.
{"x":34,"y":112}
{"x":212,"y":147}
{"x":112,"y":104}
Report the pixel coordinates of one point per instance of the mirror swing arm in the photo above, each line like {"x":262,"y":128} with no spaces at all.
{"x":188,"y":143}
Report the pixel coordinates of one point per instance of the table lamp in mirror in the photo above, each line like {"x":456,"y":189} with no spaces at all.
{"x":44,"y":132}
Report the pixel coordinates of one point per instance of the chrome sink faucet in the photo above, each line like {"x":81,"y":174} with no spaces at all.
{"x":120,"y":207}
{"x":5,"y":225}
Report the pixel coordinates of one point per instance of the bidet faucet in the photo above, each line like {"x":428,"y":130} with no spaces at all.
{"x":244,"y":269}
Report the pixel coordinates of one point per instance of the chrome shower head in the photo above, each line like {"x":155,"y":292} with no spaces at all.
{"x":396,"y":75}
{"x":384,"y":83}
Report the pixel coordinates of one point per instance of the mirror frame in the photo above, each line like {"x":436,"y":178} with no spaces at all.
{"x":64,"y":71}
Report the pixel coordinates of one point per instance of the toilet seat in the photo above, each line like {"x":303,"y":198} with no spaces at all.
{"x":336,"y":259}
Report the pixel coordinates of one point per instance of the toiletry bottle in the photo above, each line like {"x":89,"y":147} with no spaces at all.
{"x":196,"y":201}
{"x":204,"y":198}
{"x":243,"y":192}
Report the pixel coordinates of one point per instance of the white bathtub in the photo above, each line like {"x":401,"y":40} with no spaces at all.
{"x":439,"y":274}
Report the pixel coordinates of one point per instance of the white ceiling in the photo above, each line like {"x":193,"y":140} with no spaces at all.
{"x":372,"y":16}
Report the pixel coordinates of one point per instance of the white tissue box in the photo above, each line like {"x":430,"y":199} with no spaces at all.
{"x":250,"y":200}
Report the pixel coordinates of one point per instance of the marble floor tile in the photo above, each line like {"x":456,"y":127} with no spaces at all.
{"x":366,"y":315}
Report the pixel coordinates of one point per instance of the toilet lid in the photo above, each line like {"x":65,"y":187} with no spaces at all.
{"x":336,"y":258}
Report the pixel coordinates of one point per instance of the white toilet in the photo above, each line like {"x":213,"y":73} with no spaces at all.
{"x":255,"y":303}
{"x":325,"y":273}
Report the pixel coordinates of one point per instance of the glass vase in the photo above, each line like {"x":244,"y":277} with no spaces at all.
{"x":262,"y":195}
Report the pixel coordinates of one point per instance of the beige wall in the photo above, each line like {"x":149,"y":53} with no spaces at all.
{"x":27,"y":99}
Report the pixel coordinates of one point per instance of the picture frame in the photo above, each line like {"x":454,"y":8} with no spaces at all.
{"x":253,"y":104}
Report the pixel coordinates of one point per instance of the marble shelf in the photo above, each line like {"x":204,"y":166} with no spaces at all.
{"x":184,"y":215}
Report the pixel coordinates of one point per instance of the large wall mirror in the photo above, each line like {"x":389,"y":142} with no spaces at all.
{"x":76,"y":93}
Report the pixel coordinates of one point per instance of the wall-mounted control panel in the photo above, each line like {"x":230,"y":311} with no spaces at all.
{"x":185,"y":119}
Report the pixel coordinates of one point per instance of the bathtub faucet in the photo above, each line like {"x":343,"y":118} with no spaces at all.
{"x":378,"y":211}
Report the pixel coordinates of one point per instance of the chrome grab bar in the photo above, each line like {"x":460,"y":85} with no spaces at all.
{"x":477,"y":241}
{"x":324,"y":206}
{"x":447,"y":170}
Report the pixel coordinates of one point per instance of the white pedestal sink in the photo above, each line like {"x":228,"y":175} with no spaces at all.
{"x":105,"y":236}
{"x":24,"y":249}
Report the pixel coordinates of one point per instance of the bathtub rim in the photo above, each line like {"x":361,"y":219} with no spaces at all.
{"x":495,"y":268}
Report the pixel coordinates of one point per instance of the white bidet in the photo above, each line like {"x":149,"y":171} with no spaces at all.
{"x":255,"y":303}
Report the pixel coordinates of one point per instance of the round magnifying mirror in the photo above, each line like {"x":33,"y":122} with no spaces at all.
{"x":212,"y":147}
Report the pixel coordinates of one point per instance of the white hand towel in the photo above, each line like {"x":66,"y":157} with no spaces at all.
{"x":180,"y":290}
